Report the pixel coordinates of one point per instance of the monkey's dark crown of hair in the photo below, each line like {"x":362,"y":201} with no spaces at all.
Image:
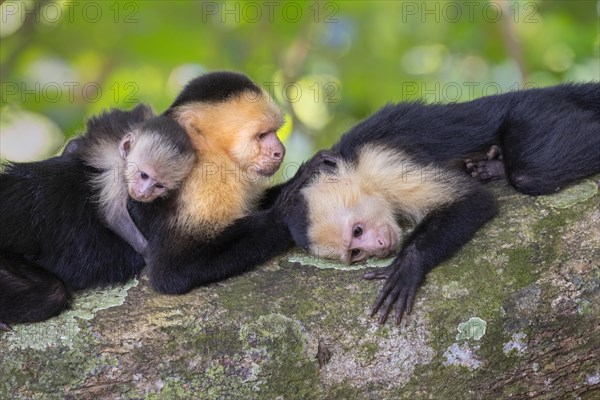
{"x":214,"y":87}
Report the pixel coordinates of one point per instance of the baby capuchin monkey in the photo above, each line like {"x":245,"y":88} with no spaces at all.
{"x":145,"y":164}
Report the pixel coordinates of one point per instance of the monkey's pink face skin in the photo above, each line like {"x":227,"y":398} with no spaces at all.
{"x":144,"y":188}
{"x":271,"y":155}
{"x":348,"y":225}
{"x":369,"y":239}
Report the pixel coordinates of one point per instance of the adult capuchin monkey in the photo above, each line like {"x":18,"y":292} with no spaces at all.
{"x":401,"y":164}
{"x":54,"y":239}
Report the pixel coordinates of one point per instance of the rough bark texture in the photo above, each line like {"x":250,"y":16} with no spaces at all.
{"x":516,"y":314}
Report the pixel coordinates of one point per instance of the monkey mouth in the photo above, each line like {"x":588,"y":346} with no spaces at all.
{"x":143,"y":199}
{"x":268,"y":168}
{"x":140,"y":199}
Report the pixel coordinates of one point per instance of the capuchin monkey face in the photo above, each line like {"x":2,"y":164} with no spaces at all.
{"x":367,"y":230}
{"x":144,"y":185}
{"x":352,"y":227}
{"x":270,"y":153}
{"x":243,"y":128}
{"x":144,"y":164}
{"x":256,"y":147}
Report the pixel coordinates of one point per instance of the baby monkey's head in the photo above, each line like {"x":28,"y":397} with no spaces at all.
{"x":158,"y":156}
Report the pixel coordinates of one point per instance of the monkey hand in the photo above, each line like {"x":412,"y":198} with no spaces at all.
{"x":403,"y":280}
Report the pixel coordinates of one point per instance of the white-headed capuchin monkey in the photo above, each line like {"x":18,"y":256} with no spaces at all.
{"x":235,"y":136}
{"x":145,"y":163}
{"x":401,"y":164}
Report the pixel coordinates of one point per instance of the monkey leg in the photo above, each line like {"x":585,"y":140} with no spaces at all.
{"x":28,"y":293}
{"x":489,"y":169}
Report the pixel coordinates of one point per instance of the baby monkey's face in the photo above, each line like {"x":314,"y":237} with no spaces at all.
{"x":146,"y":185}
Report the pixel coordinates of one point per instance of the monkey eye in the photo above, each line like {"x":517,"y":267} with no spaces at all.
{"x":144,"y":175}
{"x":261,"y":136}
{"x":354,"y":253}
{"x":159,"y":186}
{"x":358,"y":231}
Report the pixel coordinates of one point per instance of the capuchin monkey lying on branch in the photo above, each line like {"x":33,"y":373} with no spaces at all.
{"x":407,"y":162}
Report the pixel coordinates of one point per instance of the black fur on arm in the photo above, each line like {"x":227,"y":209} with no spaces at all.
{"x":437,"y":238}
{"x":246,"y":244}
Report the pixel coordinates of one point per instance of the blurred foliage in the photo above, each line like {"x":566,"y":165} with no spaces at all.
{"x":328,"y":64}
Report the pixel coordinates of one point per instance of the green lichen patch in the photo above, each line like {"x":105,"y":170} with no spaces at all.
{"x":61,"y":330}
{"x":306,"y":259}
{"x":474,"y":328}
{"x":572,"y":195}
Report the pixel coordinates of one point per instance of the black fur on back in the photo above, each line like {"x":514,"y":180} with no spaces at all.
{"x":48,"y":215}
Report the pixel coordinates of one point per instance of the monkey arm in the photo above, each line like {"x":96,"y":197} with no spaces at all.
{"x":440,"y":235}
{"x":271,"y":195}
{"x":122,"y":224}
{"x":247,"y":243}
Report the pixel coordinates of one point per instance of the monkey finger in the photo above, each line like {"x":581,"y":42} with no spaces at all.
{"x":380,"y":273}
{"x":411,"y":300}
{"x":375,"y":275}
{"x":400,"y":306}
{"x":383,"y":294}
{"x":494,"y":152}
{"x":389,"y":304}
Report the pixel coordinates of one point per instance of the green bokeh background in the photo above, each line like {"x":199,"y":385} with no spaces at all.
{"x":328,"y":64}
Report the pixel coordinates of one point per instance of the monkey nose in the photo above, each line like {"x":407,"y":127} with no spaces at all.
{"x":277,"y":155}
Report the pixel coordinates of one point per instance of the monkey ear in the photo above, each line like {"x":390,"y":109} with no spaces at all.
{"x":126,"y":144}
{"x":188,"y":118}
{"x":199,"y":142}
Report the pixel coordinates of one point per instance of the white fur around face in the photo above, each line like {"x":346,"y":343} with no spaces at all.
{"x":383,"y":184}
